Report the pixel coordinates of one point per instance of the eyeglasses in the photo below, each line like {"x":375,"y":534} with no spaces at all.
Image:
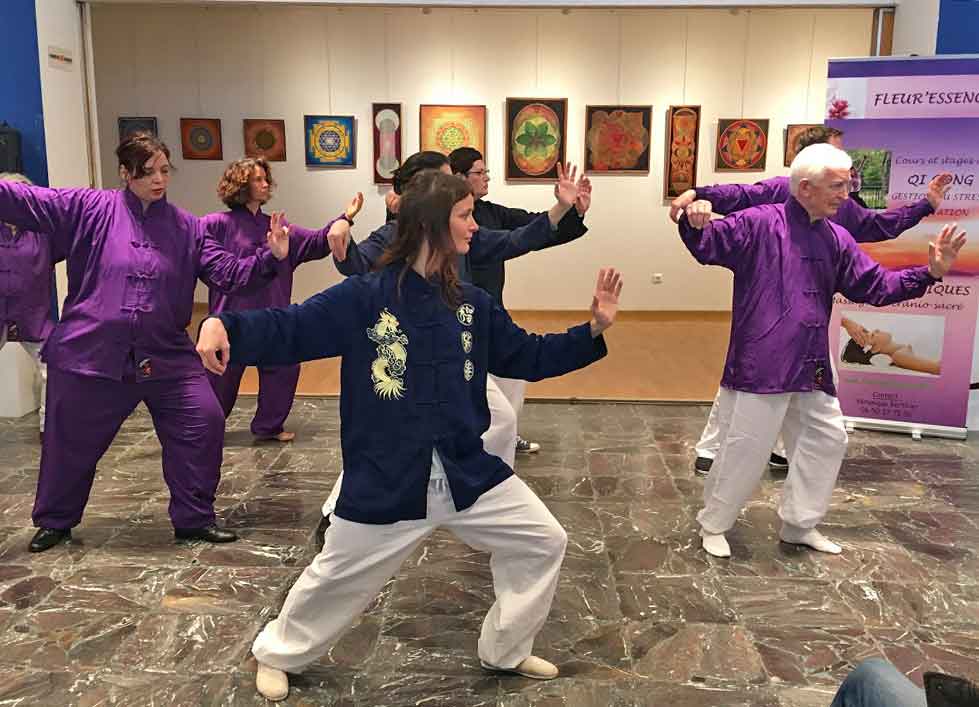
{"x":477,"y":172}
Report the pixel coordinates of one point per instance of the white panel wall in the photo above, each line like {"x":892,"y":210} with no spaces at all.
{"x":285,"y":61}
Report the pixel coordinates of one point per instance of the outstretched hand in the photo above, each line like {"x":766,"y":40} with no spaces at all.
{"x":943,"y":251}
{"x":605,"y":302}
{"x":339,"y":239}
{"x":583,"y":202}
{"x":680,"y":203}
{"x":213,"y":346}
{"x":278,"y":236}
{"x":938,"y":189}
{"x":566,"y":189}
{"x":354,"y":207}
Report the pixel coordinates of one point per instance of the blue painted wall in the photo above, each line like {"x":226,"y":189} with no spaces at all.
{"x":958,"y":27}
{"x":20,"y":89}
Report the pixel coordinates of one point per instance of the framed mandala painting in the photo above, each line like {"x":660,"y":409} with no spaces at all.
{"x":536,"y":138}
{"x":129,"y":125}
{"x":682,"y":145}
{"x":617,"y":139}
{"x":265,"y":138}
{"x":444,"y":128}
{"x":331,"y":140}
{"x":792,"y":135}
{"x":742,"y":145}
{"x":386,"y":119}
{"x":200,"y":138}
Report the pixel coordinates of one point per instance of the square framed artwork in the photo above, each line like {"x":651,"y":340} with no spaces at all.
{"x":386,"y":124}
{"x":682,"y":147}
{"x":265,"y":138}
{"x":536,"y":138}
{"x":331,"y":140}
{"x":742,"y":145}
{"x":129,"y":125}
{"x":200,"y":139}
{"x":443,"y":128}
{"x":617,"y":139}
{"x":792,"y":134}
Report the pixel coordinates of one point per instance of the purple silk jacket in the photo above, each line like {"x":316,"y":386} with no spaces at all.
{"x":786,"y":271}
{"x":25,"y":284}
{"x":131,"y":277}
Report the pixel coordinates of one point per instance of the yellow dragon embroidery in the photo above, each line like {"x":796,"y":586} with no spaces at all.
{"x":388,"y":369}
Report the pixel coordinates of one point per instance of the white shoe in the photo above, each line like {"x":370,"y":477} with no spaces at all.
{"x":530,"y":667}
{"x":810,"y":538}
{"x":271,"y":682}
{"x":715,"y":545}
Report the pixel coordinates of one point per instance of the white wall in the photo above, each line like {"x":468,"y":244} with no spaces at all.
{"x":916,"y":27}
{"x":287,"y":61}
{"x":63,"y":98}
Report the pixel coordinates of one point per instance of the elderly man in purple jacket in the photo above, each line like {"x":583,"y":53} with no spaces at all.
{"x":244,"y":187}
{"x":133,"y":259}
{"x":26,"y":275}
{"x":864,"y":225}
{"x":788,"y":261}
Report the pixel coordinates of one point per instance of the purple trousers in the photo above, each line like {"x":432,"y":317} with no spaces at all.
{"x":276,"y":391}
{"x":84,"y":413}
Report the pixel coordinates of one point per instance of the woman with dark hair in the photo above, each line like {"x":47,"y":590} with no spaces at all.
{"x":417,"y":345}
{"x":245,"y":187}
{"x":468,"y":163}
{"x":133,"y":259}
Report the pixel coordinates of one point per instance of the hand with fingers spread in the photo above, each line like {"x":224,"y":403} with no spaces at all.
{"x":392,"y":200}
{"x":938,"y":189}
{"x":354,"y":207}
{"x":698,"y":213}
{"x":583,"y":202}
{"x":681,"y":202}
{"x":213,"y":346}
{"x":943,"y":251}
{"x":566,"y":189}
{"x":605,"y":303}
{"x":278,"y":236}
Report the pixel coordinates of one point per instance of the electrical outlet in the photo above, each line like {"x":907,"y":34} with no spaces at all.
{"x":657,"y":278}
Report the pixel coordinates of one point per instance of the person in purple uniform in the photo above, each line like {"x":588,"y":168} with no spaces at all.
{"x":245,"y":187}
{"x":133,"y":259}
{"x":788,"y":261}
{"x":864,"y":225}
{"x":26,"y":272}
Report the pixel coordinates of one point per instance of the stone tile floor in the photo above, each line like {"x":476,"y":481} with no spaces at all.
{"x":123,"y":616}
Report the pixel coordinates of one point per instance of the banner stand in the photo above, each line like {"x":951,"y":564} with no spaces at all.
{"x":916,"y":431}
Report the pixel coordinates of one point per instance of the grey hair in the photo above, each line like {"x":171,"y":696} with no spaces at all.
{"x":812,"y":162}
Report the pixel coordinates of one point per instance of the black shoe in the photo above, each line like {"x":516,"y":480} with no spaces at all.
{"x":212,"y":534}
{"x":778,"y":462}
{"x":702,"y":465}
{"x":47,"y":538}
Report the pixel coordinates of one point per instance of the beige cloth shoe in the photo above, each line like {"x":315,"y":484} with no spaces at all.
{"x":271,"y":682}
{"x":530,"y":667}
{"x":810,"y":538}
{"x":715,"y":545}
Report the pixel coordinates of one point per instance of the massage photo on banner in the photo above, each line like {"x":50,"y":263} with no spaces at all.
{"x":903,"y":344}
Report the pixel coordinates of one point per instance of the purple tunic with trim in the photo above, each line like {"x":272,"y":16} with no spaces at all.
{"x":25,"y":284}
{"x":131,"y":277}
{"x":786,"y":271}
{"x":865,"y":225}
{"x":243,"y":234}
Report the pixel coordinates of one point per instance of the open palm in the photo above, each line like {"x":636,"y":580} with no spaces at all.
{"x":278,"y":236}
{"x":566,"y":189}
{"x":605,"y":303}
{"x":943,"y":251}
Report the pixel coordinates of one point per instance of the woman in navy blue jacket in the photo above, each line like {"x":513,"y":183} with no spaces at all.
{"x":417,"y":346}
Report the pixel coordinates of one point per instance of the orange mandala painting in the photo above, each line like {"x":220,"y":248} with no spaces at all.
{"x":617,"y":138}
{"x":444,"y":128}
{"x":742,"y":145}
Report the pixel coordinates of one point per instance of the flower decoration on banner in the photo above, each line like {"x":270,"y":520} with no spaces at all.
{"x":839,"y":108}
{"x":617,"y":140}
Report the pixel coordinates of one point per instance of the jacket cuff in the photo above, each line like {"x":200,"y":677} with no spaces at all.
{"x":592,"y":348}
